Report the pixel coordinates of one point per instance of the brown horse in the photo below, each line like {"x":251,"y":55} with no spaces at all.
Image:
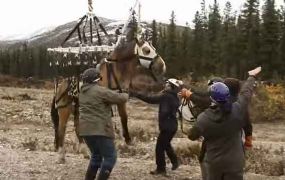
{"x":131,"y":59}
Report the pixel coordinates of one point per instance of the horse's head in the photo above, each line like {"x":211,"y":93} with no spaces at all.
{"x":131,"y":46}
{"x":149,"y":58}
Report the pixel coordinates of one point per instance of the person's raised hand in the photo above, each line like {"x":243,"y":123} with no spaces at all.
{"x":185,"y":93}
{"x":255,"y":71}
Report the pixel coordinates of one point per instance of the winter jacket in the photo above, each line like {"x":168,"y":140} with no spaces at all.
{"x":222,"y":132}
{"x":202,"y":101}
{"x":168,"y":106}
{"x":95,"y":116}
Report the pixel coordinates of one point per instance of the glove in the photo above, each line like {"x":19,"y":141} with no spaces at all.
{"x":185,"y":93}
{"x":248,"y":142}
{"x":255,"y":71}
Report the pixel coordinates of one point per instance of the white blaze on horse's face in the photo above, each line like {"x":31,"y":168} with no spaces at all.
{"x":146,"y":53}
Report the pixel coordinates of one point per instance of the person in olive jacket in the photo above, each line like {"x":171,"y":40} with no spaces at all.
{"x":95,"y":123}
{"x":168,"y":106}
{"x":221,"y":125}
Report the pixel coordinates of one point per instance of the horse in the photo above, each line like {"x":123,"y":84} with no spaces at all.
{"x":132,"y":57}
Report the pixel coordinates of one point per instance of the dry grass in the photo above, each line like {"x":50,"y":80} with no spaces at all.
{"x":187,"y":151}
{"x":268,"y":104}
{"x":10,"y":81}
{"x":30,"y":143}
{"x":8,"y":98}
{"x":261,"y":160}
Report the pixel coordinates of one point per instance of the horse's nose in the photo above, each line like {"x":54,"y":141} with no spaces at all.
{"x":158,"y":66}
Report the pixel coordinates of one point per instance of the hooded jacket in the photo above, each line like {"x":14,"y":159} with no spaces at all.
{"x":95,"y":115}
{"x":222,"y":132}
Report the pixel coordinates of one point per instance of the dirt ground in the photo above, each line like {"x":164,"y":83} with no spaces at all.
{"x":27,"y":152}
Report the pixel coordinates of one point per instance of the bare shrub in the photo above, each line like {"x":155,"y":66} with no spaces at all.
{"x":131,"y":150}
{"x":25,"y":97}
{"x":7,"y":97}
{"x":268,"y":104}
{"x":260,"y":160}
{"x":30,"y":143}
{"x":187,"y":151}
{"x":143,"y":134}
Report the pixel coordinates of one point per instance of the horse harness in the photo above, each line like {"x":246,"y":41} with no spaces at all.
{"x":72,"y":91}
{"x":111,"y":74}
{"x":144,"y":60}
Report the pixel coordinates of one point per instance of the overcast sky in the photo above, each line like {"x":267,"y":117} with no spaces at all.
{"x":27,"y":16}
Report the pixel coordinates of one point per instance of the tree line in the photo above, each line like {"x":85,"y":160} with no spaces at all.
{"x":221,"y":42}
{"x":224,"y":42}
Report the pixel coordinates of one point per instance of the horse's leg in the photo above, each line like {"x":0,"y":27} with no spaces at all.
{"x":124,"y":121}
{"x":81,"y":147}
{"x":64,"y":114}
{"x":55,"y":120}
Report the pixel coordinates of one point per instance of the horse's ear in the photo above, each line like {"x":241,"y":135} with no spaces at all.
{"x":140,"y":42}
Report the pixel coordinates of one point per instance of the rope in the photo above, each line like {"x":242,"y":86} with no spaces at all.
{"x":180,"y":116}
{"x":91,"y":32}
{"x":90,"y":6}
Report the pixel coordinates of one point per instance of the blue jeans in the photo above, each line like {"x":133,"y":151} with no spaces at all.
{"x":103,"y":152}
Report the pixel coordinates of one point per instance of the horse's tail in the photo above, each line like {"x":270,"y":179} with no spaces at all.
{"x":55,"y":120}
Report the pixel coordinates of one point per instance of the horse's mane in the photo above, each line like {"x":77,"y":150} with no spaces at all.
{"x":130,"y":33}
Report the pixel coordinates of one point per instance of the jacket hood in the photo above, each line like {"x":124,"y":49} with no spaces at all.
{"x":216,"y":114}
{"x":233,"y":98}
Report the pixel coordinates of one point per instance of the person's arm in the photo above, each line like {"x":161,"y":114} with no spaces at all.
{"x":113,"y":97}
{"x":151,"y":99}
{"x":248,"y":126}
{"x":202,"y":93}
{"x":200,"y":101}
{"x":247,"y":131}
{"x":247,"y":91}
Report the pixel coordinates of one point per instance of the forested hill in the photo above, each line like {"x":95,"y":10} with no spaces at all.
{"x":219,"y":42}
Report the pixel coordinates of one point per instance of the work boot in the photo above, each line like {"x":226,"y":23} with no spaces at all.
{"x":104,"y":175}
{"x":158,"y":172}
{"x":175,"y":166}
{"x":90,"y":173}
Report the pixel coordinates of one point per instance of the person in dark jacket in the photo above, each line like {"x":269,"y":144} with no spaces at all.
{"x":221,"y":125}
{"x":234,"y":88}
{"x":168,"y":106}
{"x":202,"y":100}
{"x":95,"y":124}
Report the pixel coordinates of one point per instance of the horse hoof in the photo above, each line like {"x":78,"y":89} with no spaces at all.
{"x":61,"y":156}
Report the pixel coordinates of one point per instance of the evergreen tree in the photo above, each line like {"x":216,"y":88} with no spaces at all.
{"x":154,"y":34}
{"x":185,"y":50}
{"x":282,"y":46}
{"x":1,"y":61}
{"x":161,"y":46}
{"x":270,"y":34}
{"x":228,"y":42}
{"x":171,"y":46}
{"x":197,"y":43}
{"x":249,"y":32}
{"x":214,"y":35}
